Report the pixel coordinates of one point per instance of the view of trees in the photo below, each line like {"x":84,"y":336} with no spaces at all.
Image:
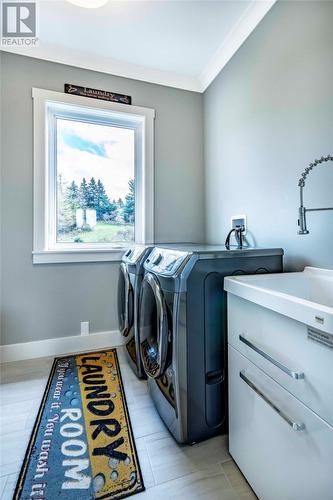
{"x":129,"y":207}
{"x":92,"y":195}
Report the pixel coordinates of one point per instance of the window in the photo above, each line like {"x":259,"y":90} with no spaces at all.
{"x":93,"y":178}
{"x":95,"y":189}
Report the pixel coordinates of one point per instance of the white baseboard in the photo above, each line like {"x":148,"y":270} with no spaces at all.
{"x":60,"y":346}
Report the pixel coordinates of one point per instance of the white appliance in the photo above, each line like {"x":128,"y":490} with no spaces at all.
{"x":280,"y":346}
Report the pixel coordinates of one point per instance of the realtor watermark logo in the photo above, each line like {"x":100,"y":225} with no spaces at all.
{"x":19,"y":24}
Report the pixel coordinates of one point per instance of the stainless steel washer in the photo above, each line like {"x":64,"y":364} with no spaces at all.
{"x":183,"y":332}
{"x":129,"y":283}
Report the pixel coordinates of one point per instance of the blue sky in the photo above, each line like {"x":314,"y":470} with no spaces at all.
{"x":77,"y":142}
{"x":93,"y":150}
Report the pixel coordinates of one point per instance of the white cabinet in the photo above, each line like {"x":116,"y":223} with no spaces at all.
{"x":281,"y":347}
{"x":283,"y":448}
{"x":280,"y":404}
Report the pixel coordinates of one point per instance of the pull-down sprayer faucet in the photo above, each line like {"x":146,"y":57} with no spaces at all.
{"x":301,"y":183}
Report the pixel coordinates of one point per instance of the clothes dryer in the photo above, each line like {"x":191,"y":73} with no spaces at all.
{"x":129,"y":283}
{"x":183,"y":331}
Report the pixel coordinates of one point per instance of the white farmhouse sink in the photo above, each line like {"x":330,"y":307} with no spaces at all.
{"x":305,"y":296}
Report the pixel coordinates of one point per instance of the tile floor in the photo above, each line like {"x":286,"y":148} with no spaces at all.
{"x":203,"y":471}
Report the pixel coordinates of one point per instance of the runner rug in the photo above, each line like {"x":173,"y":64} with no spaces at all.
{"x":82,"y":444}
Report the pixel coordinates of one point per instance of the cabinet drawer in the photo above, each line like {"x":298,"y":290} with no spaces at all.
{"x":281,"y":348}
{"x":279,"y":461}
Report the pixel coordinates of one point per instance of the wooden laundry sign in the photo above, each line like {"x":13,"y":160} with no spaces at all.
{"x":104,"y":95}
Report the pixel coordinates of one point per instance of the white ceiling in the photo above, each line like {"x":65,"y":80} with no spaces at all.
{"x":179,"y":43}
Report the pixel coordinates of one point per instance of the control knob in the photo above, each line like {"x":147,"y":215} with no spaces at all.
{"x":157,"y":260}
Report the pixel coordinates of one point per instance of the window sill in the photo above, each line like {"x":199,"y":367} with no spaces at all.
{"x":71,"y":256}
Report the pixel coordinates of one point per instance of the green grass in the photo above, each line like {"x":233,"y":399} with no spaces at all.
{"x":102,"y":233}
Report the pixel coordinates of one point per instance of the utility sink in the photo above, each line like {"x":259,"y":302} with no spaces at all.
{"x":305,"y":296}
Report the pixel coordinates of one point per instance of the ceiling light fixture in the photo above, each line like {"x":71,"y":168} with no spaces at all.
{"x":88,"y":4}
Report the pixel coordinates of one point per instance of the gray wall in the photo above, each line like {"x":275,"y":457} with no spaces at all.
{"x":45,"y":301}
{"x":268,"y":113}
{"x":266,"y":116}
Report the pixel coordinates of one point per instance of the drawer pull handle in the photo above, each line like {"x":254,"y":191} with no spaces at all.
{"x":296,"y":426}
{"x":293,"y":374}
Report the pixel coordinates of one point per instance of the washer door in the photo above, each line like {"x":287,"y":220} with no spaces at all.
{"x":153,"y":327}
{"x":125,"y":301}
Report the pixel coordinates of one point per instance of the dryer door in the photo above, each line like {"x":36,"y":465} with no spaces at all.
{"x":153,"y":327}
{"x":125,"y":301}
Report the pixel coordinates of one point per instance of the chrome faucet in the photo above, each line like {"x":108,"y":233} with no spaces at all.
{"x":301,"y":183}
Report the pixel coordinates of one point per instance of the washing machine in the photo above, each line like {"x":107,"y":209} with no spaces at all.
{"x":129,"y":283}
{"x":183,"y":332}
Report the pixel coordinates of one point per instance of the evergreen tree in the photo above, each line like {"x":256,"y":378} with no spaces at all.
{"x":129,"y":207}
{"x":119,"y":204}
{"x":62,"y":221}
{"x":84,"y":198}
{"x":113,"y":210}
{"x":71,"y":203}
{"x":92,"y":194}
{"x":103,"y":205}
{"x":73,"y":196}
{"x":66,"y":213}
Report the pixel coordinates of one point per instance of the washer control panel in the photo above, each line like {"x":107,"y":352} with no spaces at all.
{"x":133,"y":255}
{"x":164,"y":261}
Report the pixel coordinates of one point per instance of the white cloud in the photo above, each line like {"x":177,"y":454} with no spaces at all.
{"x":114,"y":171}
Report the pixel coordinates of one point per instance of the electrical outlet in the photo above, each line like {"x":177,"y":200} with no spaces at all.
{"x":84,"y":327}
{"x":238,"y":220}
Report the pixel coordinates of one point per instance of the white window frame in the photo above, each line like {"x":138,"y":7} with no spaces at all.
{"x":141,"y":120}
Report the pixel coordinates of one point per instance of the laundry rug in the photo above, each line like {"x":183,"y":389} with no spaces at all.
{"x":82,"y":444}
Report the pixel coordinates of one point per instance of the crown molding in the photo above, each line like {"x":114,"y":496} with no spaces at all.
{"x":236,"y":37}
{"x":109,"y":66}
{"x":255,"y":12}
